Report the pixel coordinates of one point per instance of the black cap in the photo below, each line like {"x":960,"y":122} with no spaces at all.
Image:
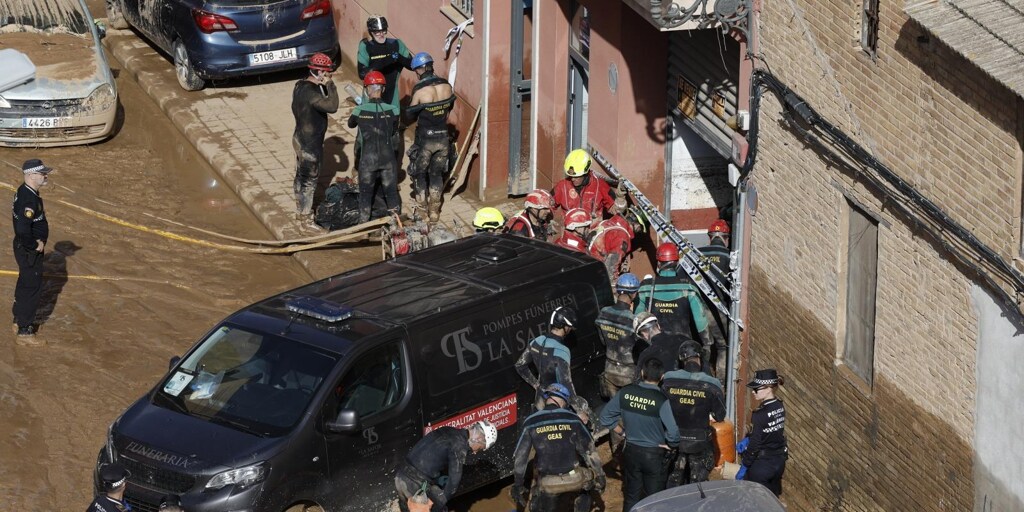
{"x":170,"y":500}
{"x":35,"y":165}
{"x":762,"y":378}
{"x":689,"y":349}
{"x":113,"y":476}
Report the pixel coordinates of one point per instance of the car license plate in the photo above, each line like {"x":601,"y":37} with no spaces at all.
{"x":263,"y":58}
{"x":45,"y":122}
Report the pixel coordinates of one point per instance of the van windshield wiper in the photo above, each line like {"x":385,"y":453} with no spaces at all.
{"x":220,"y":420}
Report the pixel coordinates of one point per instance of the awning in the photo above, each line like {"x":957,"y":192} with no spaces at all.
{"x":989,"y":33}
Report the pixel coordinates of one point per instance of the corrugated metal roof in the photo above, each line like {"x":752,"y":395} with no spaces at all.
{"x":989,"y":33}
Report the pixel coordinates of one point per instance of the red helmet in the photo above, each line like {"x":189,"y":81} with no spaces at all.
{"x":719,"y":226}
{"x":539,"y":199}
{"x":668,"y":251}
{"x":374,"y":78}
{"x":321,"y":62}
{"x":577,"y":218}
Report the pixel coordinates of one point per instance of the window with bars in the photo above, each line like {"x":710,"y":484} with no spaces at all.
{"x":868,"y":28}
{"x":465,"y":7}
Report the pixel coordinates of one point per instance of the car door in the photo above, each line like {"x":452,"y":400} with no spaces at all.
{"x":379,"y":386}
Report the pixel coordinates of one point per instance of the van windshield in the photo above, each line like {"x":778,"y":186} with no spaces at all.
{"x":254,"y":382}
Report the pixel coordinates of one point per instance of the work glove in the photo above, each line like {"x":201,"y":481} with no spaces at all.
{"x":519,"y":496}
{"x":741,"y":473}
{"x":742,"y":445}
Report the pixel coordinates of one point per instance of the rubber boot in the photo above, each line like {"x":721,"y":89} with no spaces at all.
{"x":434,"y":205}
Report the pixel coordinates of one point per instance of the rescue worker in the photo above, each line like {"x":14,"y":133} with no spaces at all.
{"x":31,"y":229}
{"x":535,"y":219}
{"x":580,"y":189}
{"x":383,"y":54}
{"x":717,"y":252}
{"x":671,"y":296}
{"x":436,"y":462}
{"x":312,"y":99}
{"x":488,"y":220}
{"x":552,"y":359}
{"x":560,"y":441}
{"x":432,"y":101}
{"x":612,"y":240}
{"x":378,"y":124}
{"x":615,"y":330}
{"x":650,"y":431}
{"x":664,"y":346}
{"x":113,"y":479}
{"x":766,"y":452}
{"x":695,"y":397}
{"x":575,"y":231}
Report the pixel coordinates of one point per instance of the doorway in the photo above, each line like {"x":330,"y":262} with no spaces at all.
{"x":521,"y":177}
{"x":579,"y":78}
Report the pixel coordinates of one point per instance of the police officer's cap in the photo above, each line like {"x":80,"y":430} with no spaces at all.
{"x":113,"y":475}
{"x":35,"y":165}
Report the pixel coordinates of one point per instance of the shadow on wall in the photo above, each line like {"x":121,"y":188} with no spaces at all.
{"x":848,"y":450}
{"x":957,"y":75}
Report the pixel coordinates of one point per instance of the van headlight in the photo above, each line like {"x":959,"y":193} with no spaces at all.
{"x":101,"y":99}
{"x":242,"y":477}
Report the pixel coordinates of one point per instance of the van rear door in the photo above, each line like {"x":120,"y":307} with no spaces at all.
{"x":378,"y":384}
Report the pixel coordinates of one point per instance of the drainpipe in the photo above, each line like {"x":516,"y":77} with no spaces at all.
{"x":740,"y":260}
{"x":485,"y":69}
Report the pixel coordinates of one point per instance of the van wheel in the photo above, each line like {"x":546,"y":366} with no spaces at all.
{"x":115,"y":16}
{"x":188,"y":79}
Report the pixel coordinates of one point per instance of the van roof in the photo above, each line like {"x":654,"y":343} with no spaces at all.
{"x":431,"y":280}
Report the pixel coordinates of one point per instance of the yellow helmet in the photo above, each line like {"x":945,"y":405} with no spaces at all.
{"x":488,"y":218}
{"x":577,"y":163}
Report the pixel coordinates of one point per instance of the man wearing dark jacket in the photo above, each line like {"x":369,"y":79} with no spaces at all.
{"x":384,"y":54}
{"x":546,"y":361}
{"x":378,"y":124}
{"x":312,"y":99}
{"x":436,"y":462}
{"x":31,"y":229}
{"x":664,"y":345}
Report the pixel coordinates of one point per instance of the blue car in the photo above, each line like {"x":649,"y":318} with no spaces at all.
{"x":219,"y":39}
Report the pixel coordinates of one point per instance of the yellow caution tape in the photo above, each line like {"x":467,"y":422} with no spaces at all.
{"x":100,"y":278}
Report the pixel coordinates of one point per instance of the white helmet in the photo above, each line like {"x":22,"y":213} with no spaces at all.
{"x":642,"y":321}
{"x":490,"y":432}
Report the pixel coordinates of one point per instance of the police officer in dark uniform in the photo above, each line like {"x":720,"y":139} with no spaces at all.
{"x":695,"y":398}
{"x":561,"y":441}
{"x":432,"y":101}
{"x":113,"y":479}
{"x":435,"y":462}
{"x":384,"y":54}
{"x":766,"y":452}
{"x":378,"y":124}
{"x":650,"y":431}
{"x":552,"y":359}
{"x":31,"y":230}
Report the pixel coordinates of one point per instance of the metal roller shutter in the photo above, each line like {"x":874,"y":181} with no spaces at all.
{"x":704,"y":66}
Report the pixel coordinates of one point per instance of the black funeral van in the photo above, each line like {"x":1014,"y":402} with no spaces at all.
{"x":314,"y":396}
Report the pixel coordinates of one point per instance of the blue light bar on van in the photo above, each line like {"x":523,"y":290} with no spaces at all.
{"x":319,"y":308}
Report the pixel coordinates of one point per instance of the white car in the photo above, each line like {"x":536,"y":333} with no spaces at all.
{"x":73,"y":98}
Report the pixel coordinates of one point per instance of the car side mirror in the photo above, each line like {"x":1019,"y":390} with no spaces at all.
{"x":173,"y":362}
{"x":347,"y":421}
{"x":101,"y":28}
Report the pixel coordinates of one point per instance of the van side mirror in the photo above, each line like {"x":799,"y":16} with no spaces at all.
{"x":173,"y":362}
{"x":347,"y":421}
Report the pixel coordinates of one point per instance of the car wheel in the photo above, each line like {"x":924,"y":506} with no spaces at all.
{"x":115,"y":16}
{"x":187,"y":77}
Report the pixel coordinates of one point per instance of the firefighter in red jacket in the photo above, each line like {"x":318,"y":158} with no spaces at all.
{"x":612,"y":240}
{"x":577,"y":227}
{"x":535,"y":219}
{"x":580,"y":189}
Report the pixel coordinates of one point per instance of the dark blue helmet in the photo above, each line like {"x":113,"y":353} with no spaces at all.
{"x":558,"y":390}
{"x":421,"y":59}
{"x":627,"y":283}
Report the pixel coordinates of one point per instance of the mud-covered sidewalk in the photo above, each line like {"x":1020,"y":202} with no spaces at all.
{"x":243,"y":128}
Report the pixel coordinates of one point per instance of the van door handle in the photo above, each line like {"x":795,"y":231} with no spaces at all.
{"x":407,"y":425}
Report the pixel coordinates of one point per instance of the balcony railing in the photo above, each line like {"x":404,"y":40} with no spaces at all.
{"x":727,"y":15}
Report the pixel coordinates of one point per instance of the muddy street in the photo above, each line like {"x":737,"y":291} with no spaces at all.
{"x":117,"y":302}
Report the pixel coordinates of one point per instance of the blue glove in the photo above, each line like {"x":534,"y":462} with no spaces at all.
{"x":741,"y":473}
{"x":742,"y":445}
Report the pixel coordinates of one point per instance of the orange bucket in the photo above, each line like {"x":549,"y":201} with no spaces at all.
{"x":725,"y":442}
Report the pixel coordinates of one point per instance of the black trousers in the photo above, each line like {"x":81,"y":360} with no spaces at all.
{"x":645,"y":471}
{"x":431,"y":164}
{"x":768,"y":472}
{"x":578,"y":501}
{"x":408,"y":486}
{"x":29,"y":286}
{"x":693,"y":467}
{"x":370,"y":175}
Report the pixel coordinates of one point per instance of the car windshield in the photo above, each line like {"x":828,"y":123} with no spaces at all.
{"x":254,"y":382}
{"x":43,"y":17}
